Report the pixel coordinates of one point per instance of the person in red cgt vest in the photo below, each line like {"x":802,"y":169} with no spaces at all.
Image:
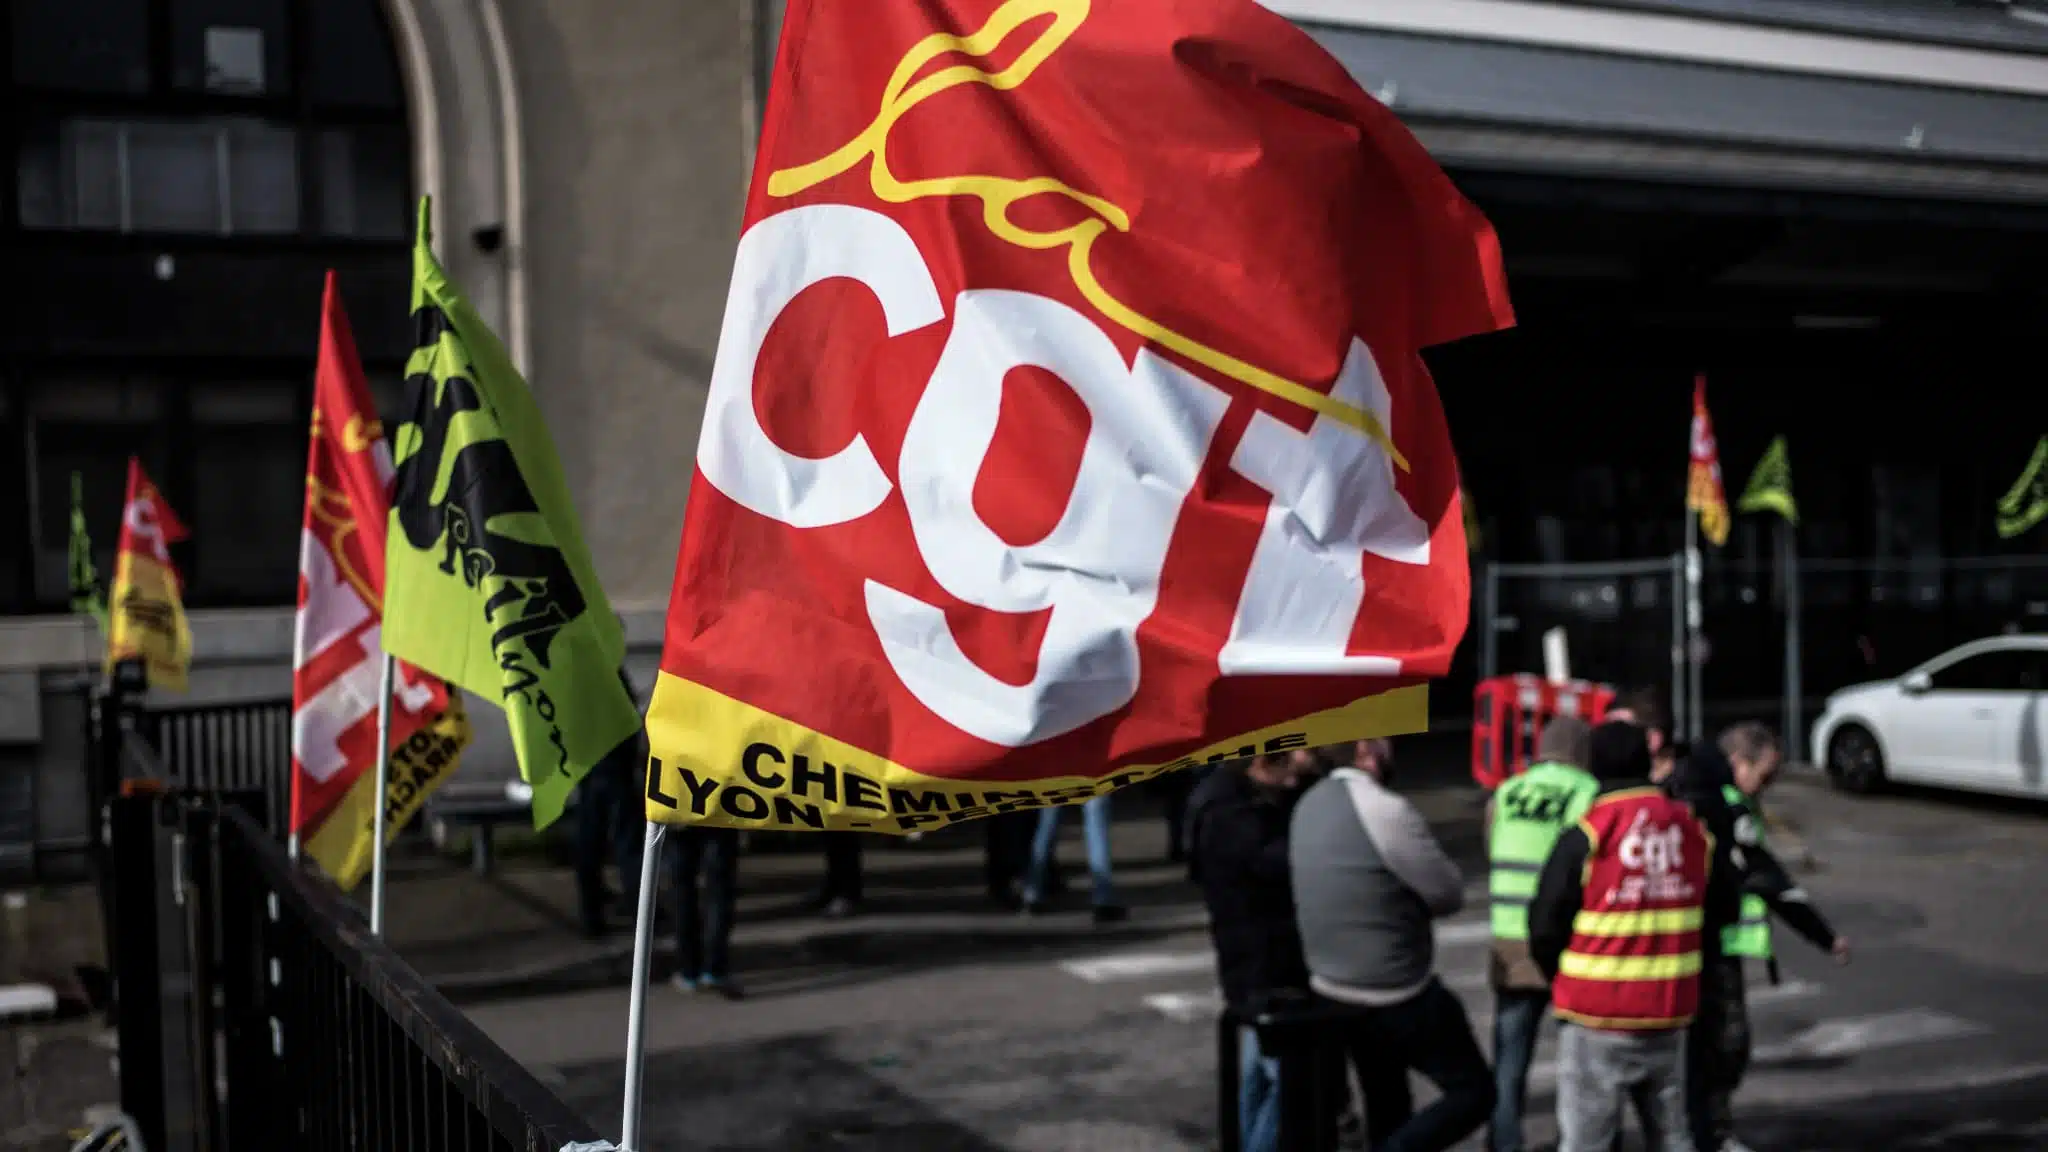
{"x":1616,"y":924}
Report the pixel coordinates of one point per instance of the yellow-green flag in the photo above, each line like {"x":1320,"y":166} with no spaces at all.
{"x":87,"y":599}
{"x":1770,"y":486}
{"x":487,"y":580}
{"x":2027,"y":504}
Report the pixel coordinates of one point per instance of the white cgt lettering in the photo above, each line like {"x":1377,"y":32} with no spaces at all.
{"x":1097,"y":571}
{"x":1333,"y":501}
{"x":779,"y":258}
{"x":332,"y":611}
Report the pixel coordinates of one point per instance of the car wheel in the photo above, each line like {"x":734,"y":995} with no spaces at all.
{"x":1855,"y":763}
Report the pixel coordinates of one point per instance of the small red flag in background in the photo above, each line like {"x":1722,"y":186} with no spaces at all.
{"x":146,"y":616}
{"x":1704,"y":494}
{"x":338,"y":661}
{"x":1068,"y":424}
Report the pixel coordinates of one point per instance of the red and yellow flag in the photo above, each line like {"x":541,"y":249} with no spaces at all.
{"x":338,"y":660}
{"x":148,"y":611}
{"x":1069,"y":424}
{"x":1704,"y":495}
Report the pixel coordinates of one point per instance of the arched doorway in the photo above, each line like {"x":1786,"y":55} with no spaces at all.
{"x":185,"y":172}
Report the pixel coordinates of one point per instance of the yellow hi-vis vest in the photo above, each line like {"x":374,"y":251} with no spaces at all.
{"x":1530,"y":812}
{"x":1750,"y":935}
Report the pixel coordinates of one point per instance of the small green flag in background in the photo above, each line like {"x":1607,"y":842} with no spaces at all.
{"x":87,"y":598}
{"x":2027,"y":504}
{"x":487,"y":579}
{"x":1770,"y":486}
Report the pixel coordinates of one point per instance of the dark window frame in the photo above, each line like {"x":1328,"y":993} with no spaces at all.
{"x":293,"y":98}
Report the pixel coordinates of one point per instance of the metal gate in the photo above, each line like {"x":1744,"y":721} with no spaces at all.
{"x":1623,"y":621}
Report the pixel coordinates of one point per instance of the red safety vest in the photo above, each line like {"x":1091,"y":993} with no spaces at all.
{"x":1634,"y":958}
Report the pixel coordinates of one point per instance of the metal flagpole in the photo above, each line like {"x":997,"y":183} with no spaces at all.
{"x":1678,"y":691}
{"x":1695,"y":699}
{"x":636,"y":999}
{"x":1795,"y":688}
{"x":383,"y":796}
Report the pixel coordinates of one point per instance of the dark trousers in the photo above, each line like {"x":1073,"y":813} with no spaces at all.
{"x":1517,"y":1022}
{"x":710,"y":857}
{"x":607,"y":815}
{"x":842,"y":867}
{"x":1717,"y":1052}
{"x":1006,"y":852}
{"x":1174,"y":788}
{"x":1430,"y":1033}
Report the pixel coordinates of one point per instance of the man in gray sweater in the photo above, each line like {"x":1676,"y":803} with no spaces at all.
{"x":1369,"y":878}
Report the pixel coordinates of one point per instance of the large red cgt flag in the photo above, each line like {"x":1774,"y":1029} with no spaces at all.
{"x":1068,"y":424}
{"x":337,"y":657}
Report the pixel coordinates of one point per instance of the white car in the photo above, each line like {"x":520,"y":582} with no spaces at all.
{"x":1974,"y":718}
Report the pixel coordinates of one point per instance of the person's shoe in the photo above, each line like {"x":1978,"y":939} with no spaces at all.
{"x":722,"y":987}
{"x":1731,"y":1144}
{"x":1111,"y":913}
{"x":839,"y":908}
{"x":687,"y":985}
{"x":1028,"y":906}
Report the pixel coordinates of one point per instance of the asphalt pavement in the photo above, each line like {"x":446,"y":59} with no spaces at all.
{"x":936,"y":1022}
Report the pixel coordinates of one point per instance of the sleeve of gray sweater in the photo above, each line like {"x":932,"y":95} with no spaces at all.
{"x":1411,"y":852}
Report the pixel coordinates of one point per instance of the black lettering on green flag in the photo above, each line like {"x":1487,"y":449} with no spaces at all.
{"x":487,"y":580}
{"x":2027,"y":503}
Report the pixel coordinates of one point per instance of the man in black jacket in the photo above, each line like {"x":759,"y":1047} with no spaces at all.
{"x":1237,"y":825}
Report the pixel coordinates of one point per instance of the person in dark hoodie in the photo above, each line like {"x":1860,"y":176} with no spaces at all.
{"x":1236,"y":838}
{"x":1701,"y":778}
{"x":1745,"y":760}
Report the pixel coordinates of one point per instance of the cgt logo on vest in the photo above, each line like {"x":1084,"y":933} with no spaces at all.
{"x":1654,"y":855}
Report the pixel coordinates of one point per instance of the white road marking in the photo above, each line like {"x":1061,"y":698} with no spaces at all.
{"x":1849,"y":1036}
{"x":1187,"y":1007}
{"x":1138,"y":965}
{"x":1145,"y":965}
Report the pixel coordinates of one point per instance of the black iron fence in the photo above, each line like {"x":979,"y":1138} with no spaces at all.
{"x":240,"y":747}
{"x":257,"y":1012}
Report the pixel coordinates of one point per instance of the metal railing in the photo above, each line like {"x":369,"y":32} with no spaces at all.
{"x":238,"y":747}
{"x":258,"y":1013}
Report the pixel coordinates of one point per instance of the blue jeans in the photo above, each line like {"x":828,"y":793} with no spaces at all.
{"x":1258,"y":1097}
{"x":1094,"y":829}
{"x":1517,"y":1018}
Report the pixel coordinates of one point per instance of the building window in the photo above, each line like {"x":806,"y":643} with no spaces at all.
{"x":363,"y":182}
{"x":248,"y":444}
{"x":231,"y":47}
{"x":15,"y":571}
{"x":96,"y":46}
{"x":223,"y":176}
{"x":206,"y":138}
{"x":89,"y":425}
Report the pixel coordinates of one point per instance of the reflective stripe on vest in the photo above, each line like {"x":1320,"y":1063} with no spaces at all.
{"x":1750,"y":935}
{"x":1634,"y":957}
{"x":1530,"y":812}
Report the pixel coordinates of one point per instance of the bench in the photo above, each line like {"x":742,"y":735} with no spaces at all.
{"x":480,"y":807}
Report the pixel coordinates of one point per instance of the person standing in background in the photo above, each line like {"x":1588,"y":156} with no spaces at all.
{"x":840,"y":895}
{"x":1095,"y":829}
{"x":1524,"y":819}
{"x":609,"y":813}
{"x":1237,"y":831}
{"x":1618,"y":926}
{"x":1369,"y":878}
{"x":704,"y":875}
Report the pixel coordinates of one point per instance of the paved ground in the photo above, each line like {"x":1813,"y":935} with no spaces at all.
{"x":934,"y":1024}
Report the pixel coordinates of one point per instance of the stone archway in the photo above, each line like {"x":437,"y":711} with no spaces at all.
{"x":463,"y":107}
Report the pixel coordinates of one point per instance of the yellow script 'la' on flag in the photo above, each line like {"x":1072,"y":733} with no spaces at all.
{"x":147,"y":616}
